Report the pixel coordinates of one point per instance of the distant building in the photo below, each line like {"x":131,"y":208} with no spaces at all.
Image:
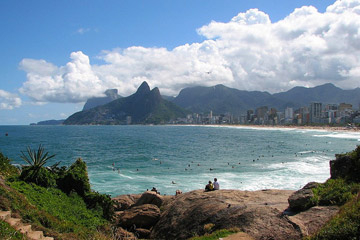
{"x":315,"y":112}
{"x":289,"y":115}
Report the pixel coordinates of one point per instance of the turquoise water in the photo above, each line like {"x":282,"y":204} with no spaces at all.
{"x":155,"y":156}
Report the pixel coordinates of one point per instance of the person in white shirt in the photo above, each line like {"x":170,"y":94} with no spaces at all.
{"x":216,"y":184}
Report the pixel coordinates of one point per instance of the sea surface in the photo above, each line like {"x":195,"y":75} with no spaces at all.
{"x":131,"y":159}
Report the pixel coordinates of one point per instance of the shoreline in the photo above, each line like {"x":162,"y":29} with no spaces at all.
{"x":290,"y":127}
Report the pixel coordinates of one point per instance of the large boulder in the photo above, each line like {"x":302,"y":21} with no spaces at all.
{"x":150,"y":197}
{"x":301,"y":200}
{"x":144,"y":216}
{"x":123,"y":202}
{"x":257,"y":213}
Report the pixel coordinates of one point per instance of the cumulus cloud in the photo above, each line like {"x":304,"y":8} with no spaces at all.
{"x":9,"y":100}
{"x":249,"y":52}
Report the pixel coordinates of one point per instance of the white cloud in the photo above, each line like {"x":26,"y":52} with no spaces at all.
{"x":249,"y":52}
{"x":74,"y":82}
{"x":9,"y":100}
{"x":83,"y":30}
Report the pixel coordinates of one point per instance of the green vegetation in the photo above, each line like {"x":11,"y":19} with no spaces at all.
{"x":7,"y":232}
{"x":344,"y":192}
{"x":217,"y":234}
{"x":6,"y":169}
{"x":335,"y":192}
{"x":77,"y":214}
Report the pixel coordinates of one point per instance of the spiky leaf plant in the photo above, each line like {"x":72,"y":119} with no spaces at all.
{"x":35,"y":172}
{"x":35,"y":158}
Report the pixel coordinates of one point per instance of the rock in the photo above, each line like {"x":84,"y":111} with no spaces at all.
{"x":121,"y":233}
{"x":346,"y":166}
{"x":311,"y":185}
{"x":301,"y":200}
{"x":257,"y":213}
{"x":142,"y":233}
{"x":150,"y":197}
{"x":311,"y":220}
{"x":124,"y":202}
{"x":144,"y":216}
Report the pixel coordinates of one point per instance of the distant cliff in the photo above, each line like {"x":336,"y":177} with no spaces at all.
{"x":143,"y":107}
{"x":111,"y":95}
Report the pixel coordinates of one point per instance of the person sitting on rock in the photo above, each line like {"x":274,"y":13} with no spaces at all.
{"x":216,"y":184}
{"x":209,"y":187}
{"x":178,"y":192}
{"x":154,"y":190}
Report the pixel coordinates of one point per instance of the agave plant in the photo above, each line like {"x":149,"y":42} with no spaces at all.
{"x":36,"y":158}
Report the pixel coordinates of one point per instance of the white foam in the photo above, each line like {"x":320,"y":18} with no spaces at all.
{"x":341,"y":135}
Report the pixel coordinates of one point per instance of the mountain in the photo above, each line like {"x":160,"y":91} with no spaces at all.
{"x":111,"y":95}
{"x":144,"y":107}
{"x":327,"y":94}
{"x":221,"y":99}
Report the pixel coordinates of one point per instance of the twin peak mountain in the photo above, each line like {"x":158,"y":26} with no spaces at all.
{"x":145,"y":106}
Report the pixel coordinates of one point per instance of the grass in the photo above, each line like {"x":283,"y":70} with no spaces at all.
{"x":7,"y":232}
{"x":47,"y":209}
{"x":217,"y":234}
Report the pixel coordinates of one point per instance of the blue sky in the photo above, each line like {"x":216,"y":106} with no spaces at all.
{"x":56,"y":54}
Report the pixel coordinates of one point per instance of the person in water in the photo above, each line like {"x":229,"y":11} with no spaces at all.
{"x":209,"y":187}
{"x":216,"y":184}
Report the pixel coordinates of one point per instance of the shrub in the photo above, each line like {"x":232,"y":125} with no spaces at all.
{"x":40,"y":176}
{"x":335,"y":192}
{"x":96,"y":200}
{"x":6,"y":169}
{"x":75,"y":179}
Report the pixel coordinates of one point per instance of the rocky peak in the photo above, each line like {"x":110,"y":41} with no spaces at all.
{"x":112,"y":93}
{"x":144,"y":88}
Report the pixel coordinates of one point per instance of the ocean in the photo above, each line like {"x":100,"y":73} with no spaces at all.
{"x":132,"y":159}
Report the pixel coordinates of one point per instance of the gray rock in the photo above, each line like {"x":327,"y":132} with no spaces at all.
{"x":301,"y":200}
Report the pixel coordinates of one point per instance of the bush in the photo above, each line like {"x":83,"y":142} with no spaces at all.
{"x":75,"y":179}
{"x":96,"y":200}
{"x":6,"y":169}
{"x":335,"y":192}
{"x":38,"y":175}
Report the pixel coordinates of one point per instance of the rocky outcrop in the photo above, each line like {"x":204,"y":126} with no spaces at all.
{"x":257,"y":213}
{"x":301,"y":200}
{"x":150,"y":197}
{"x":311,"y":220}
{"x":124,"y":202}
{"x":263,"y":214}
{"x":144,"y":216}
{"x":346,"y":166}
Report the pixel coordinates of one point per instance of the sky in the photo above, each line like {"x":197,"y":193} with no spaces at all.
{"x":57,"y":54}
